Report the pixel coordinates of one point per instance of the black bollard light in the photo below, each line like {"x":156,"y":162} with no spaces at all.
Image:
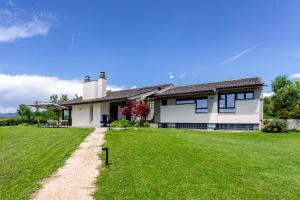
{"x":106,"y":155}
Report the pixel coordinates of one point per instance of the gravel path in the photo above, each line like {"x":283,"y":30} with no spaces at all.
{"x":76,"y":179}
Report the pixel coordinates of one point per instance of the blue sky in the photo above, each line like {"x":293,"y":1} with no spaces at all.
{"x":145,"y":42}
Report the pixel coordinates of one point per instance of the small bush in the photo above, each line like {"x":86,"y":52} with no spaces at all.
{"x":141,"y":124}
{"x":274,"y":126}
{"x":121,"y":123}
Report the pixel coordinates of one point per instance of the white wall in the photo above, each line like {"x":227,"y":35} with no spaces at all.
{"x":101,"y":88}
{"x":81,"y":114}
{"x":246,"y":111}
{"x":90,"y":90}
{"x":94,"y":89}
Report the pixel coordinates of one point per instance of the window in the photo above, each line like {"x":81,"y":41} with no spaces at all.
{"x":185,"y":101}
{"x":164,"y":102}
{"x":249,"y":95}
{"x":230,"y":101}
{"x":201,"y":105}
{"x":227,"y":103}
{"x":222,"y":101}
{"x":245,"y":95}
{"x":240,"y":96}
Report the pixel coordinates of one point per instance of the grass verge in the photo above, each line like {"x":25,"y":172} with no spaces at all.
{"x":29,"y":154}
{"x":187,"y":164}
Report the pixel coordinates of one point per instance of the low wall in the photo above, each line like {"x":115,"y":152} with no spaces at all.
{"x":292,"y":124}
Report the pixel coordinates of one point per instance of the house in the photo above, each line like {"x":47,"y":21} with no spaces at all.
{"x":231,"y":104}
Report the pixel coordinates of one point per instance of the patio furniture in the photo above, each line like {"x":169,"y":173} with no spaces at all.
{"x":51,"y":123}
{"x":64,"y":123}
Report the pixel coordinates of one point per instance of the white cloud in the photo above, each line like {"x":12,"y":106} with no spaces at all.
{"x":171,"y":76}
{"x":239,"y":55}
{"x":17,"y":23}
{"x":295,"y":76}
{"x":26,"y":89}
{"x":268,"y":94}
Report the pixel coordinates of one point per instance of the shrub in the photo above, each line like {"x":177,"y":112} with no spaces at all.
{"x":274,"y":126}
{"x":121,"y":123}
{"x":142,"y":123}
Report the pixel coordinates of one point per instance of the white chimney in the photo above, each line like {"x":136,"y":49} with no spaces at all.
{"x":102,"y":85}
{"x":89,"y":88}
{"x":94,"y":89}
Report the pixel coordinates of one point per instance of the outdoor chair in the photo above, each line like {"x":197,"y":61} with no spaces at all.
{"x":64,"y":123}
{"x":51,"y":123}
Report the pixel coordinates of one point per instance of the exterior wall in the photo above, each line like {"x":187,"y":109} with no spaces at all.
{"x":89,"y":90}
{"x":157,"y":105}
{"x":81,"y":116}
{"x":246,"y":112}
{"x":94,"y":89}
{"x":101,"y":87}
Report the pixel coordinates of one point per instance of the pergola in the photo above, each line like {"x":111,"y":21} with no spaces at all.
{"x":54,"y":106}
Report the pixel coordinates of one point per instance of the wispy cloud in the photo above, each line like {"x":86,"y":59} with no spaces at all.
{"x":295,"y":76}
{"x":17,"y":23}
{"x":268,"y":94}
{"x":239,"y":55}
{"x":14,"y":89}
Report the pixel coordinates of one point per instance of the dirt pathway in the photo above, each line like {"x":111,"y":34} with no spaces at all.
{"x":76,"y":179}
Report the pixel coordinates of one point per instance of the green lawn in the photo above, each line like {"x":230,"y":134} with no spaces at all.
{"x":28,"y":154}
{"x":187,"y":164}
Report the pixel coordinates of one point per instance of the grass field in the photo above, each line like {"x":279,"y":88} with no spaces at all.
{"x":186,"y":164}
{"x":28,"y":154}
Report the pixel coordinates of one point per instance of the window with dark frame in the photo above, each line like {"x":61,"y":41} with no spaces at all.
{"x":202,"y":105}
{"x":185,"y":101}
{"x":227,"y":102}
{"x":164,"y":102}
{"x":240,"y":96}
{"x":249,"y":95}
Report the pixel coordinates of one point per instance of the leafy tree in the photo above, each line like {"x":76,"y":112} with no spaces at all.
{"x":54,"y":98}
{"x":268,"y":108}
{"x":136,"y":109}
{"x":285,"y":103}
{"x":63,"y":98}
{"x":24,"y":112}
{"x":280,"y":82}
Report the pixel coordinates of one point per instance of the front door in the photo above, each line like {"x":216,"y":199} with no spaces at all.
{"x":113,"y":112}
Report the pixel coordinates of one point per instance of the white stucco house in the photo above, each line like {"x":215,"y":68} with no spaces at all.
{"x":231,"y":104}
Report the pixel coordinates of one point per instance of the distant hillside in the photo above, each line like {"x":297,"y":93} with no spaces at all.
{"x":8,"y":115}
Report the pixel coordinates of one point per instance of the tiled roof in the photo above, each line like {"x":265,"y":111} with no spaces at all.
{"x":118,"y":95}
{"x":173,"y":91}
{"x":210,"y":87}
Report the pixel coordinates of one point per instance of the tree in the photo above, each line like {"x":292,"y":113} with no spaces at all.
{"x":268,"y":108}
{"x":54,"y":98}
{"x":280,"y":82}
{"x":136,"y":109}
{"x":24,"y":112}
{"x":285,"y":103}
{"x":63,"y":98}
